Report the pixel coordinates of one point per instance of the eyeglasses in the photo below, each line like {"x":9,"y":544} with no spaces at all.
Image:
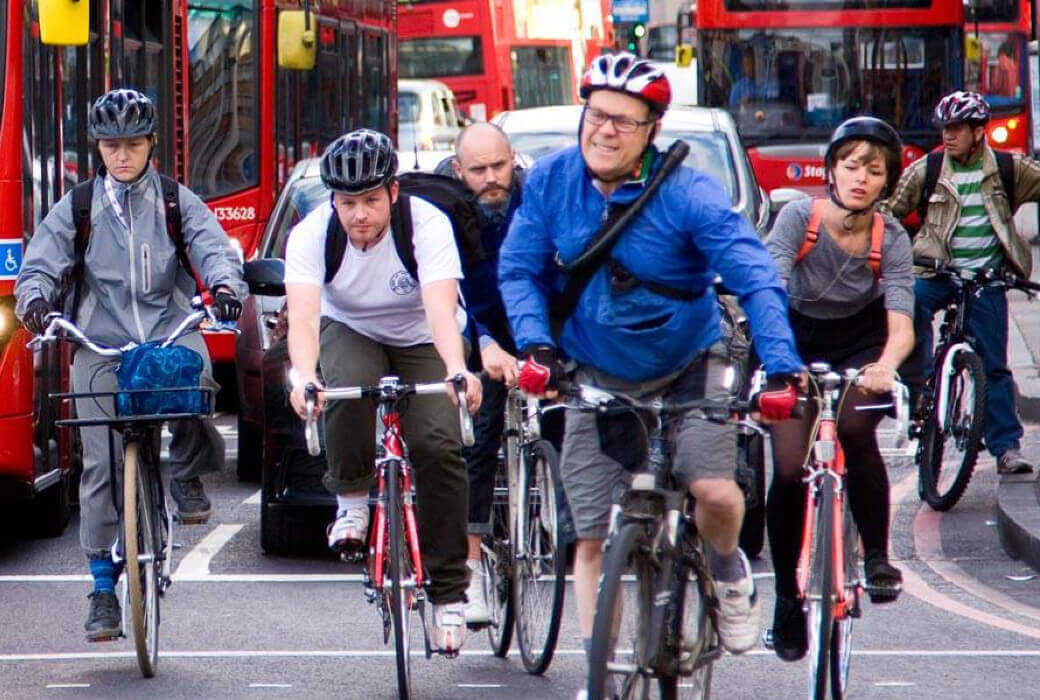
{"x":625,"y":125}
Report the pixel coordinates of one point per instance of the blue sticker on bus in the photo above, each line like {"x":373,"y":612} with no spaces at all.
{"x":10,"y":260}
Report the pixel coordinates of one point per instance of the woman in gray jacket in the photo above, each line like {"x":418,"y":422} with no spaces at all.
{"x":133,"y":288}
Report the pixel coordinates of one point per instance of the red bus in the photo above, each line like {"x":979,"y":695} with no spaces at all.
{"x":791,"y":70}
{"x":232,"y":123}
{"x":996,"y":64}
{"x":472,"y":46}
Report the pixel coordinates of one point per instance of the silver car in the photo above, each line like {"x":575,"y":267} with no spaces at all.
{"x":715,"y":147}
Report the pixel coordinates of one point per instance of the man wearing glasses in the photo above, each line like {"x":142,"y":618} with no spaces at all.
{"x":647,"y":323}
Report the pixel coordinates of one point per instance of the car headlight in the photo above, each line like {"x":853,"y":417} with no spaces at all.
{"x":8,"y":322}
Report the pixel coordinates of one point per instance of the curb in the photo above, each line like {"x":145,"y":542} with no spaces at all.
{"x":1018,"y":517}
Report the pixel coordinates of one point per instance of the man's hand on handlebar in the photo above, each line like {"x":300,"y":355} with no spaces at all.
{"x":542,"y":372}
{"x":474,"y":390}
{"x":298,"y":397}
{"x":499,"y":364}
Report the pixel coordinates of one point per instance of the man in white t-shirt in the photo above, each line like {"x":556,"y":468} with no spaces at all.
{"x":369,"y":318}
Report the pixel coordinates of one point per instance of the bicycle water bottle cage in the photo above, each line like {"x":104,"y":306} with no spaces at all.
{"x":174,"y":371}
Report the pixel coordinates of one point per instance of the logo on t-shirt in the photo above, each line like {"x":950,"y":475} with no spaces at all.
{"x":402,"y":283}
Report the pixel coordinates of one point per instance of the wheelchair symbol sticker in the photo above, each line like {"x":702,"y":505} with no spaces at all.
{"x":10,"y":260}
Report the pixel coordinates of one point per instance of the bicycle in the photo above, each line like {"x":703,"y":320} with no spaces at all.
{"x":829,"y":560}
{"x":652,"y":535}
{"x":146,"y":525}
{"x":952,"y":413}
{"x":394,"y":576}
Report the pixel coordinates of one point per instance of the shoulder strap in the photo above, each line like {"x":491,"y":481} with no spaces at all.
{"x":335,"y":246}
{"x":1006,"y":167}
{"x":82,"y":196}
{"x":171,"y":193}
{"x":812,"y":231}
{"x":877,"y":240}
{"x":401,"y":227}
{"x":933,"y":166}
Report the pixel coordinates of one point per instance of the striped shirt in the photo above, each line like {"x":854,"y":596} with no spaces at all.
{"x":974,"y":243}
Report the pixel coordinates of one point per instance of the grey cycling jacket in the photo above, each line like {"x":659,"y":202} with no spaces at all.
{"x":134,"y":288}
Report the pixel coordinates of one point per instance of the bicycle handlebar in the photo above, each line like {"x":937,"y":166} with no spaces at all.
{"x":388,"y":389}
{"x":982,"y":276}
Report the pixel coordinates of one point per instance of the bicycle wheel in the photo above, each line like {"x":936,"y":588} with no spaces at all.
{"x":819,"y":596}
{"x":619,"y":660}
{"x":691,"y":639}
{"x":948,"y":455}
{"x":401,"y":593}
{"x":496,"y":553}
{"x":841,"y":641}
{"x":539,"y":573}
{"x":141,"y":560}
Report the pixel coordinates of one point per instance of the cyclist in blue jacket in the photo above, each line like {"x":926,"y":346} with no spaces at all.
{"x":647,"y":323}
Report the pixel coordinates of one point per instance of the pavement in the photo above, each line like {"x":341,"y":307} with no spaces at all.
{"x":1018,"y":497}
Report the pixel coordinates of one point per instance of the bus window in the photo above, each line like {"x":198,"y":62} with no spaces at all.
{"x":541,"y":75}
{"x":440,"y":57}
{"x":223,"y":129}
{"x":374,"y":63}
{"x":351,"y":75}
{"x":330,"y":68}
{"x":143,"y":58}
{"x":997,"y":73}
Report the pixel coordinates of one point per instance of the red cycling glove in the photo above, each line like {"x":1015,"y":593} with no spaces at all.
{"x":541,"y":372}
{"x":779,"y":399}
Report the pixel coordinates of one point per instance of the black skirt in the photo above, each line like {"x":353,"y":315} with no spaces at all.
{"x":851,"y":341}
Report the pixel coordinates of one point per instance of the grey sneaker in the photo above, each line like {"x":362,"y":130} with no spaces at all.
{"x":1012,"y":462}
{"x":104,"y":621}
{"x":193,"y":508}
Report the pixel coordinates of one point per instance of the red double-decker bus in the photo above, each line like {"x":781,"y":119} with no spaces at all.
{"x":791,"y":70}
{"x":996,"y":65}
{"x":232,"y":124}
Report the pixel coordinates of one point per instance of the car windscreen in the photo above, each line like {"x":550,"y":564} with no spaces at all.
{"x":407,"y":106}
{"x":305,"y":194}
{"x":709,"y":152}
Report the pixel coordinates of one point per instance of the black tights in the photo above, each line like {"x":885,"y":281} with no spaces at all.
{"x":866,"y":481}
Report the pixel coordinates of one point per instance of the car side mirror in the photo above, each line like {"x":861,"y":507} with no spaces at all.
{"x":265,"y":277}
{"x":779,"y":197}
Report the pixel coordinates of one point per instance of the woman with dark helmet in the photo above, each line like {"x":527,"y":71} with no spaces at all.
{"x":134,"y":287}
{"x":849,"y":281}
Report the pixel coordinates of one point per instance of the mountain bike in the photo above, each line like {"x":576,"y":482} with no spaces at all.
{"x":652,"y":538}
{"x":829,"y":581}
{"x":144,"y":544}
{"x":394,"y":577}
{"x":951,"y":417}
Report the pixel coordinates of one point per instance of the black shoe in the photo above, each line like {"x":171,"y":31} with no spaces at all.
{"x":104,"y":621}
{"x":789,"y":639}
{"x":884,"y":581}
{"x":193,"y":508}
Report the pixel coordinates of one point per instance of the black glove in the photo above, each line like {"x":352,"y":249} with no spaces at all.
{"x":542,"y":371}
{"x":226,"y":306}
{"x":36,"y":314}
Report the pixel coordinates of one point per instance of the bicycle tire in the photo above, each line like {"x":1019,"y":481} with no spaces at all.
{"x":139,"y":542}
{"x":400,"y":603}
{"x":942,"y":489}
{"x":539,"y":578}
{"x":691,"y":632}
{"x":751,"y":452}
{"x":629,"y":652}
{"x":841,"y":641}
{"x":819,"y":594}
{"x":496,"y":553}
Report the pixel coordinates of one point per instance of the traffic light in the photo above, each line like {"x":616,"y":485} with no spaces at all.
{"x":635,"y":33}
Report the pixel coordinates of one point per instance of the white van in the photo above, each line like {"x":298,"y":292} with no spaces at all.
{"x":428,"y":119}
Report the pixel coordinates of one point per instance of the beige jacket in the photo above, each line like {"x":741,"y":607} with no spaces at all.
{"x":944,"y":207}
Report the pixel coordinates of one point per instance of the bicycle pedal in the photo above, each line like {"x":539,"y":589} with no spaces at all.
{"x":477,"y":626}
{"x":352,"y":555}
{"x":767,"y":639}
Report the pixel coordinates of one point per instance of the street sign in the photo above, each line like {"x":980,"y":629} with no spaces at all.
{"x":630,"y":10}
{"x":10,"y":259}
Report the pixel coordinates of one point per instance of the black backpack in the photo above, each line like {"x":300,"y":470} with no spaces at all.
{"x":447,"y":194}
{"x":82,"y":197}
{"x":1005,"y":166}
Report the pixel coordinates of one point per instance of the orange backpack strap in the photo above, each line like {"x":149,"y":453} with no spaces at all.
{"x":812,"y":231}
{"x":877,"y":238}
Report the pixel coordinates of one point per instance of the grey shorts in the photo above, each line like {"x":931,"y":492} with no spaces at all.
{"x":701,"y":449}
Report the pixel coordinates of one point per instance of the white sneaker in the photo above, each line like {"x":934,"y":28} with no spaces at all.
{"x":349,"y":530}
{"x":477,"y":613}
{"x":739,"y":615}
{"x":449,"y":627}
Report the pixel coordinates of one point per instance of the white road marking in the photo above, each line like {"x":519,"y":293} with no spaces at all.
{"x":894,"y":684}
{"x":196,"y":563}
{"x":364,"y":653}
{"x":202,"y":576}
{"x":479,"y":685}
{"x":270,"y":685}
{"x":67,"y":685}
{"x":253,"y":500}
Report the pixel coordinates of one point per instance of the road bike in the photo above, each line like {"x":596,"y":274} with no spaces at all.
{"x":951,"y":416}
{"x":395,"y":578}
{"x":144,"y":545}
{"x":829,"y":581}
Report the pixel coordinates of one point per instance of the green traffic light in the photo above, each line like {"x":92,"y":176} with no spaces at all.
{"x":631,"y":46}
{"x":639,"y":30}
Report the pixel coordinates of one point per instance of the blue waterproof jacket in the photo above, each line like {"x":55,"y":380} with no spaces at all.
{"x":684,"y":236}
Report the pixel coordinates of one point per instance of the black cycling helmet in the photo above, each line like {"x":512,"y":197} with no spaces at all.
{"x":873,"y":130}
{"x":358,"y":161}
{"x":120,"y":114}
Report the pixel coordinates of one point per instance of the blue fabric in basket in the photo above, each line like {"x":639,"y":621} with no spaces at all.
{"x":150,"y":366}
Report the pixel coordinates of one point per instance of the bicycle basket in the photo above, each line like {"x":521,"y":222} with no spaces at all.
{"x":174,"y":371}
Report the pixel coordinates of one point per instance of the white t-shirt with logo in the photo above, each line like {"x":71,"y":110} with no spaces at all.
{"x":372,"y":293}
